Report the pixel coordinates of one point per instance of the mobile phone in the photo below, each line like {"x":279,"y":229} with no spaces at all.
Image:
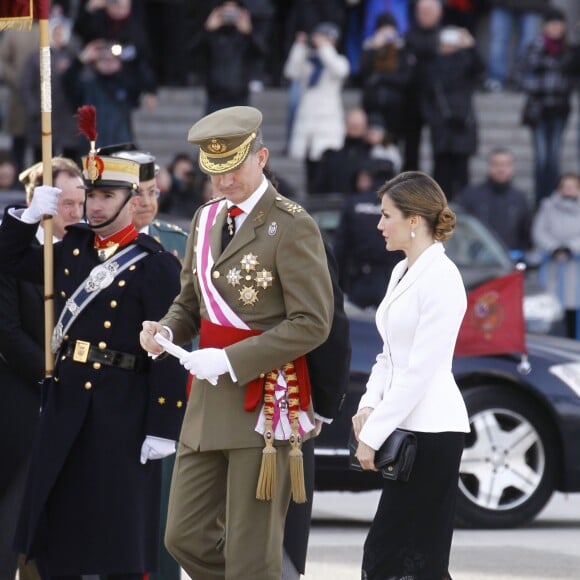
{"x":451,"y":36}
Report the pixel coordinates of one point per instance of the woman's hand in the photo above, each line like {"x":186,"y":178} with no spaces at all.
{"x":360,"y":419}
{"x":366,"y":456}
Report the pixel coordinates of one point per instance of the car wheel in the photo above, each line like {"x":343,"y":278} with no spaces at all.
{"x":508,"y":465}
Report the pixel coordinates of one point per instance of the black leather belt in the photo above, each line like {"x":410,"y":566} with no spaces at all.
{"x":84,"y":352}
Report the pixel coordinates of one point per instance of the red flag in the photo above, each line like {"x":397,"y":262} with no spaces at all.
{"x":494,"y":321}
{"x":19,"y":14}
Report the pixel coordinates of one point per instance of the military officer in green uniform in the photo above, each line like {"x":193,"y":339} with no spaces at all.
{"x":255,"y":286}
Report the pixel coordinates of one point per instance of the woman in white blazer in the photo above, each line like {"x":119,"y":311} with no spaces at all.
{"x":411,"y":386}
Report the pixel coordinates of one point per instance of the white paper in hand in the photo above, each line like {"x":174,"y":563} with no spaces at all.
{"x":171,"y":348}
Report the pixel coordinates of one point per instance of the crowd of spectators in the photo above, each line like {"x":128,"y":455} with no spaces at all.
{"x":416,"y":64}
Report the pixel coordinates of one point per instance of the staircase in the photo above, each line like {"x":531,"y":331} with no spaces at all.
{"x":165,"y":132}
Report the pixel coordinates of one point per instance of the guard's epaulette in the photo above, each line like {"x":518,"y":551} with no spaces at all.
{"x":288,"y":205}
{"x":167,"y":227}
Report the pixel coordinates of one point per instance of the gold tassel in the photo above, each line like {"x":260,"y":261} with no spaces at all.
{"x":267,"y":477}
{"x":296,"y":463}
{"x":297,"y":475}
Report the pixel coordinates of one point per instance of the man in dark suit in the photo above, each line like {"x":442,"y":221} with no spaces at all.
{"x":91,"y":502}
{"x":22,"y":360}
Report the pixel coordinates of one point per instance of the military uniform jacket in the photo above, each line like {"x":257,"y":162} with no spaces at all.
{"x":89,"y":505}
{"x":274,"y":275}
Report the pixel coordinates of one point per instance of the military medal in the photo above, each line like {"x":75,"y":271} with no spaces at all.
{"x":248,"y":296}
{"x":264,"y":278}
{"x":234,"y":276}
{"x":249,"y":262}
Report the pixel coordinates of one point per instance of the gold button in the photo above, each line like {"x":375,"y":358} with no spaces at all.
{"x":63,"y":294}
{"x":179,"y":404}
{"x":195,"y":270}
{"x":63,"y":357}
{"x":161,"y":400}
{"x":262,"y":375}
{"x":66,"y":337}
{"x":131,"y":268}
{"x":76,"y":252}
{"x":216,"y":275}
{"x":97,"y":366}
{"x":88,"y":385}
{"x":66,"y":271}
{"x":107,"y":324}
{"x":122,"y":283}
{"x":248,"y":278}
{"x":113,"y":304}
{"x":102,"y":345}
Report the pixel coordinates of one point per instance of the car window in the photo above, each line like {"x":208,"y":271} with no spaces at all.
{"x":473,"y":245}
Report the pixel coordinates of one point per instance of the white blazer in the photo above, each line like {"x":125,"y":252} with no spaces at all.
{"x":411,"y":384}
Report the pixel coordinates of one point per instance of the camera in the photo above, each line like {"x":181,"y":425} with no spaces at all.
{"x":451,"y":36}
{"x":230,"y":15}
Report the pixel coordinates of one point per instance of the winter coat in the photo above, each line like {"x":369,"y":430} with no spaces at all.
{"x":447,"y":101}
{"x":386,"y":73}
{"x":557,"y":226}
{"x":319,"y":121}
{"x":546,"y":81}
{"x":502,"y":208}
{"x":228,"y":55}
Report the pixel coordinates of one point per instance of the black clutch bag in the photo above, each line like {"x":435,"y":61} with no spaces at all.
{"x":394,"y":458}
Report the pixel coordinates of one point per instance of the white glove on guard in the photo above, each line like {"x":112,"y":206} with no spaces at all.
{"x":156,"y":448}
{"x":44,"y":202}
{"x":206,"y":364}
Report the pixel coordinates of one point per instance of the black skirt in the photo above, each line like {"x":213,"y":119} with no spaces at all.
{"x":410,"y":536}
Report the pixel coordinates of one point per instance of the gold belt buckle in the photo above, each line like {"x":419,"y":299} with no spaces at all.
{"x":81,"y":352}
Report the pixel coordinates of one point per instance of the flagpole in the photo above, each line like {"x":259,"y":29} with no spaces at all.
{"x":46,"y":127}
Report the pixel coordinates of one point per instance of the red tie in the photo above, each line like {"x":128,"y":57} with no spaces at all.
{"x":230,"y":224}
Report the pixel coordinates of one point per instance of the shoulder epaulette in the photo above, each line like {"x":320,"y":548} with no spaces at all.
{"x":288,"y":205}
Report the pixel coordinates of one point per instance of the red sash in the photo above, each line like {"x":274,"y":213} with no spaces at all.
{"x":216,"y":336}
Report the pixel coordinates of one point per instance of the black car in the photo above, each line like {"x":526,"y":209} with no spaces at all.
{"x":525,"y":428}
{"x":525,"y":421}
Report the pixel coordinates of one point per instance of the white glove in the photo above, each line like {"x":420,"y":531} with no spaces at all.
{"x":207,"y":363}
{"x":44,"y":202}
{"x":156,"y":448}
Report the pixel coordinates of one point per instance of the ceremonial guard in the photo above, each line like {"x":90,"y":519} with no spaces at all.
{"x":91,"y":503}
{"x":173,"y":239}
{"x":255,"y":285}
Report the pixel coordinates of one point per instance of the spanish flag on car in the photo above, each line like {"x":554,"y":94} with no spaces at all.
{"x":19,"y":14}
{"x":494,"y":321}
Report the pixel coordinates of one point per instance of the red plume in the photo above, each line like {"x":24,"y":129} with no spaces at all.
{"x":87,"y":122}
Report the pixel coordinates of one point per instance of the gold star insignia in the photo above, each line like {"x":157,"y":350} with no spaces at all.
{"x":161,"y":400}
{"x":249,"y":262}
{"x":294,"y":208}
{"x":234,"y":276}
{"x":179,"y":404}
{"x":264,"y":278}
{"x":248,"y":296}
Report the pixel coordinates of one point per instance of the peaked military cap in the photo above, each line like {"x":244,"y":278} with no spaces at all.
{"x":147,"y":166}
{"x":225,"y":137}
{"x":105,"y":172}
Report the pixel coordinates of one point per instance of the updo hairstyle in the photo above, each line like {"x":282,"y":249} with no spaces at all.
{"x":416,"y":193}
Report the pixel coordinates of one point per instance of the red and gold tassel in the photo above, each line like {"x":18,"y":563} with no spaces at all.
{"x":267,"y":478}
{"x":296,"y":460}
